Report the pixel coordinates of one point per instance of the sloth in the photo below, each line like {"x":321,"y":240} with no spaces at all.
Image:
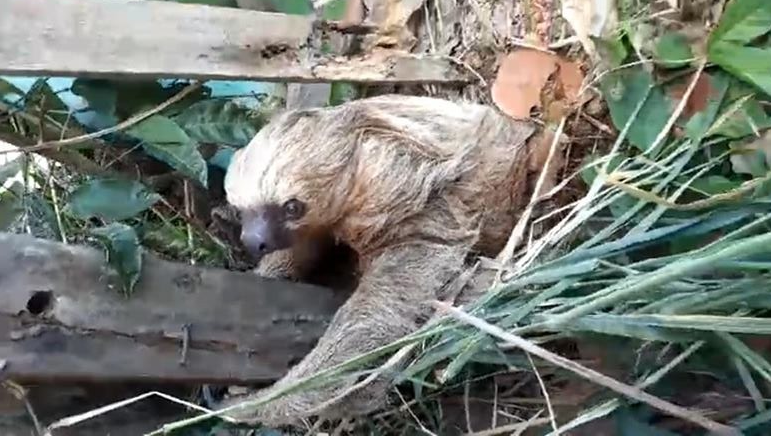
{"x":415,"y":186}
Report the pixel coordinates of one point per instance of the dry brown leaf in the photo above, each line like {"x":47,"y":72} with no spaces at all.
{"x":699,"y":98}
{"x":570,"y":78}
{"x":520,"y":79}
{"x":391,"y":17}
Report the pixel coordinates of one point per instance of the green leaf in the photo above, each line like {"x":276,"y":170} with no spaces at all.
{"x":136,"y":95}
{"x":742,"y":115}
{"x":742,"y":21}
{"x":221,"y":122}
{"x":613,"y":50}
{"x":123,"y":253}
{"x":294,"y":7}
{"x":41,"y":96}
{"x":110,"y":199}
{"x":672,"y":50}
{"x":163,"y":139}
{"x":7,"y":88}
{"x":712,"y":185}
{"x":102,"y":97}
{"x":750,"y":64}
{"x":334,"y":10}
{"x":624,"y":90}
{"x":342,"y":92}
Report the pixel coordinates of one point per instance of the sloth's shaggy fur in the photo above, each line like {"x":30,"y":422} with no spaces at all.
{"x":413,"y":185}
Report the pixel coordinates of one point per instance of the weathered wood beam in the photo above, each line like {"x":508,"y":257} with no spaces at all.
{"x":62,"y":319}
{"x":138,"y":38}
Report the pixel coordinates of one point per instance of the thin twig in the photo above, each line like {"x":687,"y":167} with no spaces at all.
{"x":20,"y":394}
{"x":546,"y":397}
{"x":85,"y":416}
{"x":118,"y":127}
{"x":516,"y":235}
{"x":589,"y":374}
{"x":678,"y":109}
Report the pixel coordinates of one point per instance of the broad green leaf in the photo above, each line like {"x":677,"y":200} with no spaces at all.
{"x":741,"y":117}
{"x":673,"y":50}
{"x":124,"y":253}
{"x":712,"y":185}
{"x":163,"y":139}
{"x":137,"y":95}
{"x":101,"y":95}
{"x":7,"y":88}
{"x":612,"y":50}
{"x":110,"y":199}
{"x":220,"y":122}
{"x":624,"y":90}
{"x":750,"y":64}
{"x":742,"y":21}
{"x":294,"y":7}
{"x":42,"y":96}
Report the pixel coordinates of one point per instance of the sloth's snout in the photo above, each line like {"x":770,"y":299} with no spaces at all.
{"x":259,"y":238}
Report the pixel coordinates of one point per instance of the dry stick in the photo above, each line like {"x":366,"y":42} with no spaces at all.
{"x":85,"y":416}
{"x":546,"y":397}
{"x":519,"y":230}
{"x":678,"y":110}
{"x":589,"y":374}
{"x":118,"y":127}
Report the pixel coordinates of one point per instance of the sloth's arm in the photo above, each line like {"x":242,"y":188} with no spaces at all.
{"x":388,"y":304}
{"x":281,"y":264}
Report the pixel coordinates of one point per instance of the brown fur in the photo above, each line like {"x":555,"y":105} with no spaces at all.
{"x":413,"y":185}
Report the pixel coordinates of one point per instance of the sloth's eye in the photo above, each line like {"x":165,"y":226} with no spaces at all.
{"x":294,"y":209}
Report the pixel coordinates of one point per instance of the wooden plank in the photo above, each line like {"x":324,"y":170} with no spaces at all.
{"x":141,"y":38}
{"x":242,"y":328}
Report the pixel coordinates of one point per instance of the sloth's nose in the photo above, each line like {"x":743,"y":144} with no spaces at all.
{"x":258,"y":239}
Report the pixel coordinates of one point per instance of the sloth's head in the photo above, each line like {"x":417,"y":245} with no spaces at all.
{"x":290,"y":180}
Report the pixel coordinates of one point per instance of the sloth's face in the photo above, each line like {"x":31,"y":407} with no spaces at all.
{"x":292,"y":179}
{"x":271,"y":227}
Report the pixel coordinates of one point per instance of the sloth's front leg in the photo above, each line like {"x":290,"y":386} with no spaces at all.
{"x":389,"y":302}
{"x":282,"y":264}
